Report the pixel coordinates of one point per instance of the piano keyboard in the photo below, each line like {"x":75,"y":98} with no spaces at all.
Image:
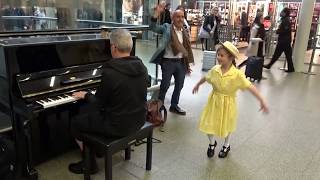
{"x":58,"y":100}
{"x":55,"y":101}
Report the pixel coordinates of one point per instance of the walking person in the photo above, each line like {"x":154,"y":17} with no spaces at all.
{"x":219,"y":117}
{"x":284,"y":41}
{"x":174,"y":55}
{"x":211,"y":26}
{"x":256,"y":45}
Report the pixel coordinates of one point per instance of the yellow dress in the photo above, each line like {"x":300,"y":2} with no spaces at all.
{"x":219,"y":116}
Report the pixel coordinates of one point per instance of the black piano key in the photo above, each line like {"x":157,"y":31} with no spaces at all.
{"x":54,"y":98}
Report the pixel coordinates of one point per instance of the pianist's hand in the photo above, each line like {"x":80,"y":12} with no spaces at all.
{"x":79,"y":95}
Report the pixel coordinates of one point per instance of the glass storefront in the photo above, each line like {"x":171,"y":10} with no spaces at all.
{"x":17,"y":15}
{"x":48,"y":15}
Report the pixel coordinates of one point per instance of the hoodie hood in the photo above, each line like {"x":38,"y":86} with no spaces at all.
{"x":285,"y":13}
{"x":131,"y":66}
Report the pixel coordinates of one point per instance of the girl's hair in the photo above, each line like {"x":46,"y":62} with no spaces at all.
{"x":261,"y":32}
{"x":286,"y":12}
{"x":220,"y":47}
{"x":257,"y":19}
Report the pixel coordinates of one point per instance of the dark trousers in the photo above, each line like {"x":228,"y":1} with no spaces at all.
{"x":89,"y":120}
{"x":170,"y":68}
{"x":244,"y":33}
{"x":286,"y":48}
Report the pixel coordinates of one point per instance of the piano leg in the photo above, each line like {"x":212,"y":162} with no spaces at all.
{"x":31,"y":172}
{"x":24,"y":167}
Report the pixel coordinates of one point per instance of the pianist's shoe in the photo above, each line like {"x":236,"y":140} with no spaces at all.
{"x":78,"y":168}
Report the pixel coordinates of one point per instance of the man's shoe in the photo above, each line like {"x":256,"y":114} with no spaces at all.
{"x":266,"y":66}
{"x":224,"y":152}
{"x":78,"y":168}
{"x":289,"y":71}
{"x":177,"y":110}
{"x":210,"y":151}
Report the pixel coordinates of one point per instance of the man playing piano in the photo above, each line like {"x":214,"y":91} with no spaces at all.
{"x":118,"y":106}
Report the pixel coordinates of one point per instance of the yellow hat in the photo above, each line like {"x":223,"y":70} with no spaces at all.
{"x":231,"y":49}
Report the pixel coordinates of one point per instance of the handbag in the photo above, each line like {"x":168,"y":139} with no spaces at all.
{"x":154,"y":112}
{"x":203,"y":34}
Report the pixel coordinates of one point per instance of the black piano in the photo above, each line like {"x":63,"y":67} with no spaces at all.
{"x":37,"y":78}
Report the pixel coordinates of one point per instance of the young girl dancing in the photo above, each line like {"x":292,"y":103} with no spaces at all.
{"x":219,"y":116}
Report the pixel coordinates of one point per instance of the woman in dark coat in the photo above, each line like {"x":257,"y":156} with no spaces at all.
{"x":211,"y":25}
{"x":284,"y":41}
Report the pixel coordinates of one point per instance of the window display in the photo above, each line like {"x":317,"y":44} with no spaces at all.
{"x":132,"y":11}
{"x":53,"y":14}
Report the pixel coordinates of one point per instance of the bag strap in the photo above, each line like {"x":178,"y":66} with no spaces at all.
{"x":165,"y":115}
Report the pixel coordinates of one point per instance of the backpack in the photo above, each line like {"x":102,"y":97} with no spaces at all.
{"x":7,"y":158}
{"x":154,"y":112}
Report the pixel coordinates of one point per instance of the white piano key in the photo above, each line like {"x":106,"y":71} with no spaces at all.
{"x":49,"y":102}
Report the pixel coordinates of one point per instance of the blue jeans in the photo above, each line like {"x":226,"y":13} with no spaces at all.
{"x":176,"y":69}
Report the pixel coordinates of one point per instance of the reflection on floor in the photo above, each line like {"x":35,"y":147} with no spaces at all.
{"x":281,"y":145}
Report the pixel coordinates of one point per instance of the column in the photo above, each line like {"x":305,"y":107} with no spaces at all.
{"x":303,"y":31}
{"x":175,"y":4}
{"x":66,"y":14}
{"x":110,"y":10}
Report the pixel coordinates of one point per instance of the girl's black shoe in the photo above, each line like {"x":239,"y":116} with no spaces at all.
{"x":224,"y":152}
{"x":211,"y":148}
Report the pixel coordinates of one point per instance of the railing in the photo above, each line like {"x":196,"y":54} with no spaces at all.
{"x":32,"y":25}
{"x":29,"y":18}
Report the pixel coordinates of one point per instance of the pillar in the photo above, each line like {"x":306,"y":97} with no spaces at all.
{"x":303,"y":31}
{"x":175,"y":4}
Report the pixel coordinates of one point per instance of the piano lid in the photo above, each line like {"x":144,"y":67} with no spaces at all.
{"x":40,"y":57}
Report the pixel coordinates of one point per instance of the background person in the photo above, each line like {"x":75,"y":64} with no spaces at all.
{"x":165,"y":16}
{"x":256,"y":45}
{"x":284,"y":41}
{"x":211,"y":25}
{"x":244,"y":25}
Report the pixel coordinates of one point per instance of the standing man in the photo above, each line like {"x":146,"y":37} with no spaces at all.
{"x":284,"y":41}
{"x":174,"y":55}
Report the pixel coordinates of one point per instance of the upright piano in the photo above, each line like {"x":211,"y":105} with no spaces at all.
{"x":37,"y":78}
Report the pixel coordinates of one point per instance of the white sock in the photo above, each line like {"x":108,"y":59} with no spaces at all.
{"x":227,"y":141}
{"x":211,"y":139}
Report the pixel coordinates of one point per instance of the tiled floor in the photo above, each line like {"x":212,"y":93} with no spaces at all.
{"x":281,"y":145}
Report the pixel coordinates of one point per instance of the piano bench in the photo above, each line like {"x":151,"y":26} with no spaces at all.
{"x":110,"y":146}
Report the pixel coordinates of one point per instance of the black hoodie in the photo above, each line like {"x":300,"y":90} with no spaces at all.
{"x":284,"y":30}
{"x":121,"y":98}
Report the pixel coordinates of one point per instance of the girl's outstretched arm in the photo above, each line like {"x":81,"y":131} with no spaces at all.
{"x":263,"y":105}
{"x":196,"y":87}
